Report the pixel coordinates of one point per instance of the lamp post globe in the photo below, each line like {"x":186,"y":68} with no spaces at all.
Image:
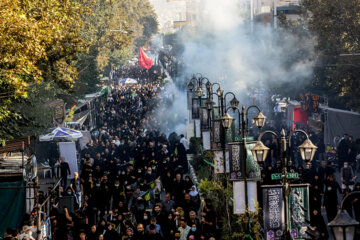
{"x":226,"y":120}
{"x":220,"y":91}
{"x":260,"y":151}
{"x":199,"y":92}
{"x":209,"y":104}
{"x":343,"y":226}
{"x":234,"y":103}
{"x":190,"y":86}
{"x":208,"y":85}
{"x":307,"y":151}
{"x":260,"y":120}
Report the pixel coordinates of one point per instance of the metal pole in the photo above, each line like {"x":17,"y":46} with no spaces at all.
{"x":222,"y":105}
{"x":244,"y":154}
{"x":38,"y":209}
{"x":284,"y":177}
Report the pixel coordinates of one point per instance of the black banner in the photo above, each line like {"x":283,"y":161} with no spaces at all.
{"x":189,"y":99}
{"x":274,"y":212}
{"x":216,"y":131}
{"x":236,"y":166}
{"x":195,"y":108}
{"x":204,"y":118}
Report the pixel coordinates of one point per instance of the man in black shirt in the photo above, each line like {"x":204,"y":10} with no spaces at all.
{"x":65,"y":171}
{"x":77,"y":188}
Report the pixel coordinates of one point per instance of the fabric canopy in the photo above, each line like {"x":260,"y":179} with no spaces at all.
{"x":128,"y":81}
{"x":12,"y":202}
{"x":338,"y":122}
{"x":59,"y":132}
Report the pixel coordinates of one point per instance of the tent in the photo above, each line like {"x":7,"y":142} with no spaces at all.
{"x":128,"y":81}
{"x":59,"y":132}
{"x":338,"y":122}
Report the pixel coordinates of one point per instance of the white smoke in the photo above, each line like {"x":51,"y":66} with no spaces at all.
{"x":224,"y":49}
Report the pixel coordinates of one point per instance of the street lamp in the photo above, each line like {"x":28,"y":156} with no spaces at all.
{"x":199,"y":91}
{"x":260,"y":120}
{"x":343,"y":226}
{"x":226,"y":120}
{"x":209,"y":104}
{"x":220,"y":91}
{"x":307,"y":151}
{"x":191,"y":86}
{"x":234,"y":103}
{"x":260,"y":151}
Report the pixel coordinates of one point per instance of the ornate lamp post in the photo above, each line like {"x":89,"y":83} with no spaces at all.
{"x":243,"y":129}
{"x":307,"y":152}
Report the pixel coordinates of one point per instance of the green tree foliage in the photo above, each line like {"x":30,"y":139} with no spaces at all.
{"x":116,"y":29}
{"x":58,"y":49}
{"x":336,"y":26}
{"x":40,"y":41}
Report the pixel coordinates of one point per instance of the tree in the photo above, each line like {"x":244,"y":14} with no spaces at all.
{"x":40,"y":43}
{"x":116,"y":29}
{"x":336,"y":25}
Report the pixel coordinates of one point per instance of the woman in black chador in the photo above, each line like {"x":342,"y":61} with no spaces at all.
{"x":332,"y":187}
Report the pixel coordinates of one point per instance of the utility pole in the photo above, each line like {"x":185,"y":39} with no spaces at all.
{"x":38,"y":210}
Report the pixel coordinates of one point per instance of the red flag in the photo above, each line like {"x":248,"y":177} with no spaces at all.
{"x":300,"y":116}
{"x":144,"y":60}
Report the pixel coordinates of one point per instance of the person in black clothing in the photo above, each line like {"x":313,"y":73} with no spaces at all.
{"x":331,"y":198}
{"x":169,"y":228}
{"x":53,"y":157}
{"x":153,"y":235}
{"x":93,"y":235}
{"x":329,"y":170}
{"x":343,"y":150}
{"x":316,"y":191}
{"x":65,"y":171}
{"x":110,"y":233}
{"x":317,"y":221}
{"x":140,"y":233}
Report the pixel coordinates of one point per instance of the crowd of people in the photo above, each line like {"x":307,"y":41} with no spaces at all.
{"x":133,"y":181}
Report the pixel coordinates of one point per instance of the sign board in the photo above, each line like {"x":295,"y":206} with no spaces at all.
{"x":189,"y":100}
{"x":278,"y":176}
{"x":206,"y":140}
{"x":239,"y":139}
{"x":274,"y":212}
{"x":218,"y":162}
{"x":195,"y":108}
{"x":217,"y":131}
{"x":299,"y":211}
{"x":236,"y":169}
{"x":68,"y":151}
{"x":197,"y":128}
{"x":239,"y":196}
{"x":204,"y":117}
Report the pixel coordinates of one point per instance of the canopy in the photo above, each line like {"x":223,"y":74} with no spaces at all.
{"x":59,"y":132}
{"x":338,"y":122}
{"x":128,"y":81}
